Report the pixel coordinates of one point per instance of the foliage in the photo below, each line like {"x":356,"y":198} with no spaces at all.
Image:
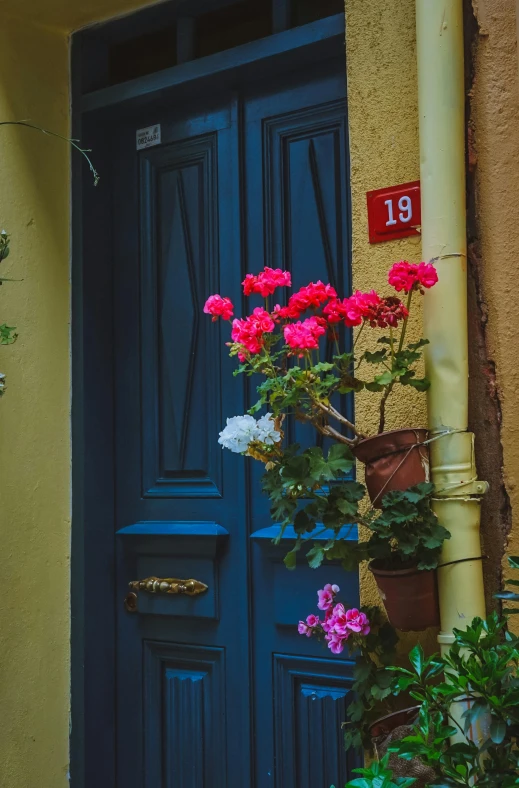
{"x":371,"y":641}
{"x":7,"y":333}
{"x":511,"y":596}
{"x":407,"y":531}
{"x":379,"y":775}
{"x":309,"y":492}
{"x":373,"y":680}
{"x":481,"y":669}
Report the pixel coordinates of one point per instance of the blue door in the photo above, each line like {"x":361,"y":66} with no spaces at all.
{"x":217,"y":689}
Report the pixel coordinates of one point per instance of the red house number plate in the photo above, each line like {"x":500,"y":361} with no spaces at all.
{"x":394,"y":212}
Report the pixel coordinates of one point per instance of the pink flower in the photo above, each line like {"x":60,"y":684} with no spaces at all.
{"x":303,"y":629}
{"x":336,"y":642}
{"x":357,"y":621}
{"x":328,"y":620}
{"x":312,"y":621}
{"x":412,"y":276}
{"x":359,"y":307}
{"x":309,"y":297}
{"x":249,"y":331}
{"x":266,"y":282}
{"x":326,"y":596}
{"x":427,"y":275}
{"x":343,"y":621}
{"x":219,"y":307}
{"x":301,"y":336}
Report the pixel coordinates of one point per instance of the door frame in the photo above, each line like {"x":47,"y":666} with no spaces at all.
{"x":93,"y":676}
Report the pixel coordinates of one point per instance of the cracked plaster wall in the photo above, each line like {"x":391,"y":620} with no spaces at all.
{"x":494,"y":245}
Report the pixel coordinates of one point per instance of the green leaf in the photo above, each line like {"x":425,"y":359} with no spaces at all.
{"x":303,"y":523}
{"x":340,"y":458}
{"x":377,"y":357}
{"x":315,"y":556}
{"x":384,"y":379}
{"x":7,"y":334}
{"x":497,"y":730}
{"x":417,"y":658}
{"x":420,"y":384}
{"x":322,"y":366}
{"x":290,"y":559}
{"x":373,"y":386}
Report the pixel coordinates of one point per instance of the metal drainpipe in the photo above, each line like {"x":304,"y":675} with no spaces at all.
{"x":441,"y":102}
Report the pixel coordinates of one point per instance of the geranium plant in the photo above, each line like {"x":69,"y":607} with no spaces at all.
{"x":372,"y":642}
{"x":273,"y":341}
{"x":303,"y":378}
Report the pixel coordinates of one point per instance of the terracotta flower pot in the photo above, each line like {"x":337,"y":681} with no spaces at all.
{"x":410,"y":596}
{"x":394,"y":461}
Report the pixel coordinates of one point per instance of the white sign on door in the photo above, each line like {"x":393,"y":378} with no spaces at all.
{"x":148,"y":137}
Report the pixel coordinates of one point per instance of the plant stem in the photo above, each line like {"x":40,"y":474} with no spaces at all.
{"x":358,"y":335}
{"x":74,"y":143}
{"x":334,"y":413}
{"x":404,"y":327}
{"x":389,"y":389}
{"x":384,"y":399}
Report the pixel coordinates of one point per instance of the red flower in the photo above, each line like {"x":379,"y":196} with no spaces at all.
{"x":309,"y":297}
{"x":219,"y":307}
{"x":389,"y":312}
{"x":249,"y":331}
{"x":266,"y":282}
{"x":304,"y":335}
{"x":412,"y":276}
{"x":336,"y":310}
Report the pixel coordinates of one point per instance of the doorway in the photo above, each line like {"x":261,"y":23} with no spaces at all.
{"x":248,"y":167}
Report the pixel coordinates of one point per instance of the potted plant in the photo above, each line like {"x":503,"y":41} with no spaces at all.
{"x":379,"y":775}
{"x":405,"y":548}
{"x":480,"y":745}
{"x":275,"y":343}
{"x":372,"y":642}
{"x":310,"y":489}
{"x":480,"y":674}
{"x":307,"y":492}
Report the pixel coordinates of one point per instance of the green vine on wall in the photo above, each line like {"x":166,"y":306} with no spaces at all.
{"x":8,"y":334}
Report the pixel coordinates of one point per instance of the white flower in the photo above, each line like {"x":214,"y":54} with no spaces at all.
{"x":238,"y":433}
{"x":267,"y":432}
{"x":2,"y":384}
{"x":242,"y":430}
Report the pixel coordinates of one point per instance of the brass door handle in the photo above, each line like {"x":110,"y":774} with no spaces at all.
{"x":169,"y":585}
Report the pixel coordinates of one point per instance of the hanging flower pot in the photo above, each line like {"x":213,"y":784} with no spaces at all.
{"x":410,"y":596}
{"x":394,"y":460}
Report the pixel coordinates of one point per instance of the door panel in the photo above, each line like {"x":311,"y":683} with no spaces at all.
{"x":218,"y":690}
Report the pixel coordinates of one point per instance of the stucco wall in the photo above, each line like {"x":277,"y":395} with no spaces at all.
{"x":34,"y":413}
{"x":384,"y":149}
{"x":495,"y":119}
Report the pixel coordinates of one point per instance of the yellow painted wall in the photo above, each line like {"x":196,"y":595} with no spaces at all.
{"x":34,"y":413}
{"x":384,"y":151}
